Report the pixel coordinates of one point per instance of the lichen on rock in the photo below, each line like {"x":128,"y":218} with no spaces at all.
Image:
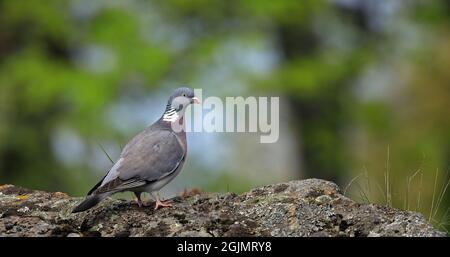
{"x":309,"y":207}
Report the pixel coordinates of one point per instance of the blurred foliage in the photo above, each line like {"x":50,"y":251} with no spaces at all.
{"x":63,"y":64}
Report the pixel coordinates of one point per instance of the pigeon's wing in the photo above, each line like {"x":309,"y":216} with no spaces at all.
{"x":153,"y":157}
{"x":150,"y":156}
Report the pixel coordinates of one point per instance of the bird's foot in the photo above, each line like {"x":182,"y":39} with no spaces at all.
{"x":141,"y":203}
{"x":160,"y":204}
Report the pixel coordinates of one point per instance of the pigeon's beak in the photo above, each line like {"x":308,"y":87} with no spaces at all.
{"x":195,"y":100}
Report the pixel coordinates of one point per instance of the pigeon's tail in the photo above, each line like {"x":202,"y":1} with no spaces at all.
{"x":89,"y":202}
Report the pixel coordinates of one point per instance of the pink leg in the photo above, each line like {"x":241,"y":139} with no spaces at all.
{"x":160,"y":204}
{"x":139,"y":202}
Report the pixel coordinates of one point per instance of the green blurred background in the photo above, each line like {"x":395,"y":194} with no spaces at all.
{"x":364,"y":89}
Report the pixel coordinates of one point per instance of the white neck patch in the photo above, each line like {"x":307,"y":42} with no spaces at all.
{"x":170,"y":115}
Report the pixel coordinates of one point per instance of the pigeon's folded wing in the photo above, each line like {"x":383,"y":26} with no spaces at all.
{"x":149,"y":157}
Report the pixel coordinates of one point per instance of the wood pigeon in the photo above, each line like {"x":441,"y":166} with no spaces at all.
{"x":151,"y":159}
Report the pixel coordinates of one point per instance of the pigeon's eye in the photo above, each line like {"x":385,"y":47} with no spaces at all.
{"x":184,"y":94}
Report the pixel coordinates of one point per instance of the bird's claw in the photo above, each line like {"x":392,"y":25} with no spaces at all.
{"x":160,"y":204}
{"x":141,"y":203}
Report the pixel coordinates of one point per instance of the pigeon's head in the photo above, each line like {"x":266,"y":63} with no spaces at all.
{"x":183,"y":95}
{"x":180,"y":99}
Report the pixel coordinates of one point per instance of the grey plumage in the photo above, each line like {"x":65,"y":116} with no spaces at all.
{"x":150,"y":160}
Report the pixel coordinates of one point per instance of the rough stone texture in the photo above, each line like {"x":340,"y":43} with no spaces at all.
{"x":298,"y":208}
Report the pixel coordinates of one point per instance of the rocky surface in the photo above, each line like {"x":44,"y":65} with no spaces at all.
{"x":298,"y":208}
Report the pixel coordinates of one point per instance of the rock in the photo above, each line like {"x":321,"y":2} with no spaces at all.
{"x":73,"y":235}
{"x":309,"y":207}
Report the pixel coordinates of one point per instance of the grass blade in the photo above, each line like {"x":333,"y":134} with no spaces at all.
{"x":434,"y":194}
{"x":351,"y":182}
{"x":106,"y":153}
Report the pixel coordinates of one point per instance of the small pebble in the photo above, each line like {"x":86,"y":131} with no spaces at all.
{"x":323,"y":199}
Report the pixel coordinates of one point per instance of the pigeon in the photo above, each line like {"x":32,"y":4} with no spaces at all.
{"x":151,"y":159}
